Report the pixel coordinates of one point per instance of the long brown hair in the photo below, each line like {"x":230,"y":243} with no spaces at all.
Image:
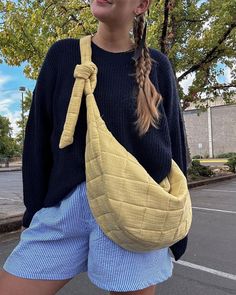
{"x":148,"y":98}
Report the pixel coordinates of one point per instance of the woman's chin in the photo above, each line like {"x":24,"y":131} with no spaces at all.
{"x":102,"y":16}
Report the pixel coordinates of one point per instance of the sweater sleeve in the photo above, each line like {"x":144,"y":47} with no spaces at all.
{"x":37,"y":154}
{"x":172,"y":108}
{"x":171,"y":104}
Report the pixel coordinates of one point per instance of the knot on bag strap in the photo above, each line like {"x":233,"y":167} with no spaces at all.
{"x":85,"y":71}
{"x":88,"y":72}
{"x":85,"y":82}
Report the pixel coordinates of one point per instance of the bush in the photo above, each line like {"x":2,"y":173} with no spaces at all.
{"x":232,"y":164}
{"x":197,"y":157}
{"x":226,"y":155}
{"x":205,"y":156}
{"x":197,"y":169}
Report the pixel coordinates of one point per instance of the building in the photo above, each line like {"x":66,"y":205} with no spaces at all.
{"x":211,"y":132}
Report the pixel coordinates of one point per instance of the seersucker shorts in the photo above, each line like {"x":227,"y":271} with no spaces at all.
{"x":64,"y":240}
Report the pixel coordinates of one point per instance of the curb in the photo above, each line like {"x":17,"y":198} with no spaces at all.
{"x":11,"y":223}
{"x":210,"y":180}
{"x":10,"y":169}
{"x":14,"y":222}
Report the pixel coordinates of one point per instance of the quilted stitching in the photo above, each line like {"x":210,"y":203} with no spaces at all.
{"x":131,"y":208}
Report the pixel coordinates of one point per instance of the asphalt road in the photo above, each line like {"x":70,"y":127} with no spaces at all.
{"x":209,"y":264}
{"x":11,"y":194}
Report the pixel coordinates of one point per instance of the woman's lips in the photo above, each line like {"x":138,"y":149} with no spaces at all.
{"x":103,"y":2}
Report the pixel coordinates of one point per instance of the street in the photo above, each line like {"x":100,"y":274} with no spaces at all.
{"x":209,"y":264}
{"x":11,"y":194}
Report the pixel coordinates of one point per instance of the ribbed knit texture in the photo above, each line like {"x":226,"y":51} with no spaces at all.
{"x":50,"y":173}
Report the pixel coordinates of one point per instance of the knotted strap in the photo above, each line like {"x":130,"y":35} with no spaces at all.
{"x":85,"y":75}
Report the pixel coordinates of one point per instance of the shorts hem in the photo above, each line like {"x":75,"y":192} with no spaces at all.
{"x":132,"y":288}
{"x":36,"y":276}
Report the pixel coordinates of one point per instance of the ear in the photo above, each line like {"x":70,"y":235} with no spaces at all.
{"x":142,"y":7}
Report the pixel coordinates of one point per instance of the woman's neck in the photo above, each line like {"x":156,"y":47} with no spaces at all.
{"x":113,"y":41}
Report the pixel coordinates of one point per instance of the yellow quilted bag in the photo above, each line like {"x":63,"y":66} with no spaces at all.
{"x":131,"y":208}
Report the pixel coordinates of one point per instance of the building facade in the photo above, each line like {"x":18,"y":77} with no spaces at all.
{"x":211,"y":132}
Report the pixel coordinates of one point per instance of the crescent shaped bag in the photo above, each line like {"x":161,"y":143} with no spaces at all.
{"x":132,"y":209}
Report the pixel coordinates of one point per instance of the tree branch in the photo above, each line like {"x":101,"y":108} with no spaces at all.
{"x":211,"y":55}
{"x":223,"y":86}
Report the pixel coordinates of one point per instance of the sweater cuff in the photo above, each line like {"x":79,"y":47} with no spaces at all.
{"x":179,"y":248}
{"x":27,"y":217}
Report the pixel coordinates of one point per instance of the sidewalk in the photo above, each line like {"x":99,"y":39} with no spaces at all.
{"x":11,"y":211}
{"x":13,"y":166}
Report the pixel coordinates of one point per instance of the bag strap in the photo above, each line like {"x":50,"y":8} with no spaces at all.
{"x":85,"y":75}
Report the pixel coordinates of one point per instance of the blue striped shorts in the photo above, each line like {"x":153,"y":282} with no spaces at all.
{"x":64,"y":240}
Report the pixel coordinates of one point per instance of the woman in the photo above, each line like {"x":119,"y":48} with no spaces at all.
{"x":62,"y":238}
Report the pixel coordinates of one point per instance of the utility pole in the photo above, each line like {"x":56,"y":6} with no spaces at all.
{"x":209,"y":119}
{"x":22,"y":89}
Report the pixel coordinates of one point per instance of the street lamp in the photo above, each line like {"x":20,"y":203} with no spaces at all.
{"x":22,"y":89}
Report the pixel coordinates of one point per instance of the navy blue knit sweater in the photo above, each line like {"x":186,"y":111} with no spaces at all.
{"x":50,"y":173}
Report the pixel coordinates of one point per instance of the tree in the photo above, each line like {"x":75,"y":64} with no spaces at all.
{"x":38,"y":24}
{"x":196,"y":37}
{"x":8,"y":145}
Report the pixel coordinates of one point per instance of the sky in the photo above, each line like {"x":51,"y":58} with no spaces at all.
{"x":12,"y":77}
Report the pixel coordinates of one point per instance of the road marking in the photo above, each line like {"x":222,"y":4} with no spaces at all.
{"x":11,"y":200}
{"x":206,"y":269}
{"x":218,"y":190}
{"x":217,"y":210}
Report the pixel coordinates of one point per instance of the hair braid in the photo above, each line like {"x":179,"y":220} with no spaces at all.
{"x":148,"y":98}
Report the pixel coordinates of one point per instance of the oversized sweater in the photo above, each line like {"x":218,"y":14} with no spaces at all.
{"x":50,"y":173}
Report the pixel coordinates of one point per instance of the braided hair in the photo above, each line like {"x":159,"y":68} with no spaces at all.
{"x":148,"y":99}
